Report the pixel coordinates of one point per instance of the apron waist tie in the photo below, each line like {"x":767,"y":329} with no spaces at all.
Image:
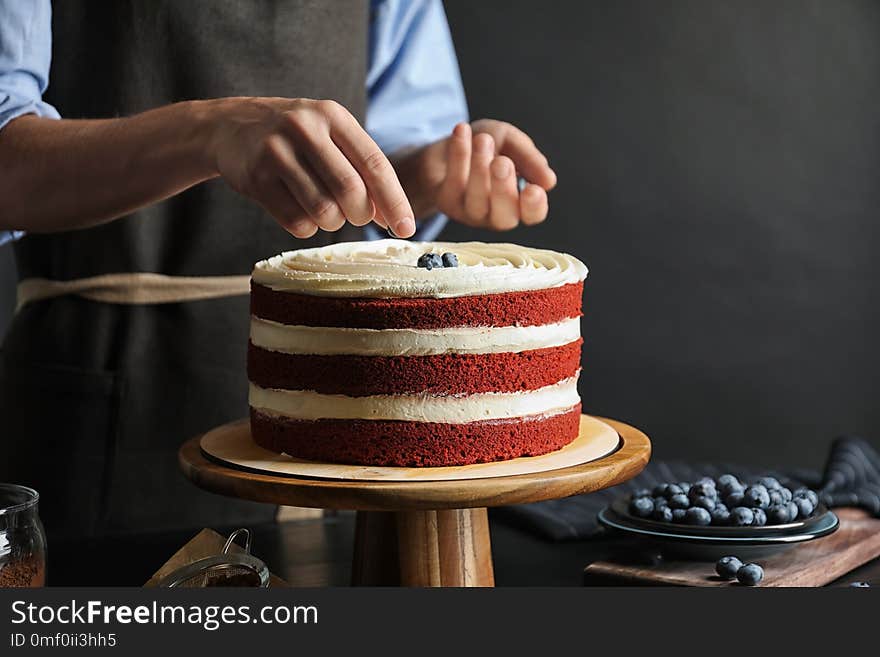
{"x":134,"y":288}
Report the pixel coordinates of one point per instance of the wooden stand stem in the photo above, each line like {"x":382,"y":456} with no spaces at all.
{"x":423,"y":548}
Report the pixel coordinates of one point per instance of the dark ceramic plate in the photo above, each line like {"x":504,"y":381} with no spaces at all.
{"x":710,"y":543}
{"x":620,"y":507}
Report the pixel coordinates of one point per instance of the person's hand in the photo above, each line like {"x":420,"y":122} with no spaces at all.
{"x":472,"y":176}
{"x":309,"y":164}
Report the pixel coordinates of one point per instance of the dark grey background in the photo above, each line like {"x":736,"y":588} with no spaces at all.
{"x":719,"y":171}
{"x":719,"y":165}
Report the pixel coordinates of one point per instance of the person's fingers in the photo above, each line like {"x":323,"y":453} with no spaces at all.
{"x":343,"y":182}
{"x":305,"y":185}
{"x":529,"y":161}
{"x":366,"y":218}
{"x":277,"y":200}
{"x":458,"y":165}
{"x":476,"y":196}
{"x":303,"y":229}
{"x":504,"y":212}
{"x":375,"y":169}
{"x":533,"y":204}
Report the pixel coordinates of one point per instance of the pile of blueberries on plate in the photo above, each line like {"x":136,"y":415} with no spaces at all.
{"x":725,"y":501}
{"x":431,"y":261}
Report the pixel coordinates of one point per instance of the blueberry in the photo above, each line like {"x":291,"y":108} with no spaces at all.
{"x":702,"y":502}
{"x":663,"y":514}
{"x":678,"y":515}
{"x":770,"y":483}
{"x":641,"y":492}
{"x":641,"y":507}
{"x":750,"y":574}
{"x":685,"y":486}
{"x":808,"y":494}
{"x":660,"y":502}
{"x":660,"y":490}
{"x":673,"y":489}
{"x":786,"y":494}
{"x":697,"y":516}
{"x":734,"y":499}
{"x":792,"y":511}
{"x":450,"y":260}
{"x":429,"y":261}
{"x":775,"y":498}
{"x":720,"y":515}
{"x":860,"y":585}
{"x":804,"y":506}
{"x":756,"y":496}
{"x":726,"y":480}
{"x":679,"y":501}
{"x":727,"y":567}
{"x":759,"y":518}
{"x":778,"y":514}
{"x":702,"y":489}
{"x":741,"y":516}
{"x":731,"y":488}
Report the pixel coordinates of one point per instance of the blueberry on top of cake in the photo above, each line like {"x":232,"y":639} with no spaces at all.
{"x":360,"y":355}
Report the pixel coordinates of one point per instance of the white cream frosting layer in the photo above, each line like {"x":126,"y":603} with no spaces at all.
{"x":310,"y":405}
{"x":388,"y":269}
{"x":321,"y":340}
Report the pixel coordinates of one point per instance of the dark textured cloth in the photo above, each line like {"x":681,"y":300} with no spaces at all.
{"x":852,"y":475}
{"x":97,"y":398}
{"x":851,"y":478}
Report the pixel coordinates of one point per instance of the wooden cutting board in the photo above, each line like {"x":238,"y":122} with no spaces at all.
{"x":815,"y":563}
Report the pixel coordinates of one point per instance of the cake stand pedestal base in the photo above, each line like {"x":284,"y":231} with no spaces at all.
{"x":420,"y":533}
{"x":423,"y":548}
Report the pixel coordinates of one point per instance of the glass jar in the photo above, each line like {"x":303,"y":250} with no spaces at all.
{"x":22,"y":539}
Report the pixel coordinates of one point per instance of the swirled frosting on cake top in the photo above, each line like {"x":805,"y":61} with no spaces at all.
{"x":388,"y":269}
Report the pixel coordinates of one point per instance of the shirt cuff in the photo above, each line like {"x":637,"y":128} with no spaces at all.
{"x":12,"y":107}
{"x":7,"y":236}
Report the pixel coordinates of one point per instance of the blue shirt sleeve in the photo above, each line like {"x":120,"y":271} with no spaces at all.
{"x":25,"y":54}
{"x":414,"y":90}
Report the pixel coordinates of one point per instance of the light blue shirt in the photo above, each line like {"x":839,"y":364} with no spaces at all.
{"x":414,"y":90}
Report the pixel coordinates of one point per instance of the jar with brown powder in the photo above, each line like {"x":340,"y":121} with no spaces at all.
{"x":22,"y":539}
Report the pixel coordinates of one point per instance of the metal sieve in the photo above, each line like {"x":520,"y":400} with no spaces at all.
{"x":232,"y":569}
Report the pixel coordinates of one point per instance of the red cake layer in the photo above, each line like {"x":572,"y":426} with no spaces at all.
{"x":414,"y":444}
{"x":530,"y":308}
{"x":442,"y":374}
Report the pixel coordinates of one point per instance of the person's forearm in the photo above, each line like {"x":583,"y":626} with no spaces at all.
{"x":308,"y":163}
{"x":60,"y":175}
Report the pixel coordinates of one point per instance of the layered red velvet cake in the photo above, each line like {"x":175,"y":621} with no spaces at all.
{"x":360,"y":355}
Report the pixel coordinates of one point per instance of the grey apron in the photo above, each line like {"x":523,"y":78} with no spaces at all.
{"x":96,"y":398}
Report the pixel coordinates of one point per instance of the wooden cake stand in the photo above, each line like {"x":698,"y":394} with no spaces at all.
{"x":421,"y":533}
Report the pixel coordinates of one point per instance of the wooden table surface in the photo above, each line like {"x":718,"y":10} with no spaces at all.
{"x":319,"y":552}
